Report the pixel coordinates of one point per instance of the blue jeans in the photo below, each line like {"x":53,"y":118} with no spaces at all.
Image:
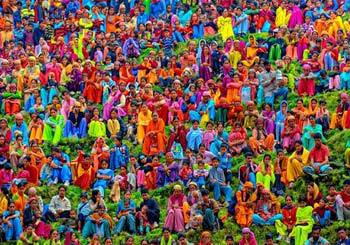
{"x":283,"y":91}
{"x":324,"y":220}
{"x":62,"y":174}
{"x":128,"y":219}
{"x":323,"y":169}
{"x":79,"y":131}
{"x":227,"y":190}
{"x":271,"y":221}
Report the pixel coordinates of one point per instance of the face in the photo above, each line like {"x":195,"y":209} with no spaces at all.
{"x":342,"y":234}
{"x":61,"y":192}
{"x":315,"y":234}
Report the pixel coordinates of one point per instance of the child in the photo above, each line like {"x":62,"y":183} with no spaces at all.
{"x":331,"y":201}
{"x":104,"y":177}
{"x":69,"y":224}
{"x":185,"y":172}
{"x":131,"y":126}
{"x":142,"y":219}
{"x":83,"y":210}
{"x":22,"y":175}
{"x":321,"y":214}
{"x":208,"y":135}
{"x":45,"y":172}
{"x":200,"y":174}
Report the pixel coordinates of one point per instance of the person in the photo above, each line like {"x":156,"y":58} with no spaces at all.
{"x":208,"y":209}
{"x":322,"y":214}
{"x":205,"y":238}
{"x":229,"y":240}
{"x":126,"y":215}
{"x":83,"y":210}
{"x":28,"y":236}
{"x":343,"y":202}
{"x":11,"y":223}
{"x":177,"y":204}
{"x":269,"y":239}
{"x":285,"y":226}
{"x":310,"y":132}
{"x":166,"y":237}
{"x":343,"y":238}
{"x":154,"y":141}
{"x":296,"y":163}
{"x":61,"y":171}
{"x":266,"y":210}
{"x":316,"y":238}
{"x":60,"y":205}
{"x":313,"y":195}
{"x":53,"y":127}
{"x":265,"y":172}
{"x":99,"y":223}
{"x":244,"y":209}
{"x":304,"y":223}
{"x":247,"y":171}
{"x":153,"y":213}
{"x":319,"y":156}
{"x":248,"y":237}
{"x":218,"y":182}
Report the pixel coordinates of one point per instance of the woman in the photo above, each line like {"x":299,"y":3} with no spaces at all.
{"x":309,"y":132}
{"x":224,"y":24}
{"x":313,"y":195}
{"x":269,"y":119}
{"x":155,"y":139}
{"x":85,"y":174}
{"x":304,"y":221}
{"x":98,"y":221}
{"x":97,"y":128}
{"x":194,"y":137}
{"x":28,"y":237}
{"x":99,"y":152}
{"x":175,"y":212}
{"x":260,"y":139}
{"x":177,"y":134}
{"x":286,"y":225}
{"x":245,"y":205}
{"x":143,"y":119}
{"x":11,"y":223}
{"x":248,"y":237}
{"x":76,"y":125}
{"x":32,"y":216}
{"x":205,"y":70}
{"x":266,"y":210}
{"x":266,"y":173}
{"x":55,"y":239}
{"x":37,"y":155}
{"x":290,"y":134}
{"x":237,"y":138}
{"x":5,"y":130}
{"x":17,"y":149}
{"x":205,"y":238}
{"x":296,"y":162}
{"x":53,"y":127}
{"x":36,"y":128}
{"x":167,"y":238}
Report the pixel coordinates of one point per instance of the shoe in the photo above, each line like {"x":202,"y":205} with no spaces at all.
{"x":279,"y":238}
{"x":66,"y":183}
{"x":55,"y":181}
{"x":288,"y":240}
{"x":155,"y":225}
{"x":291,"y":184}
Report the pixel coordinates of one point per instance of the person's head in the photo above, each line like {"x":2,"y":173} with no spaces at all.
{"x":177,"y":190}
{"x":215,"y":162}
{"x":318,"y":140}
{"x":346,"y":185}
{"x":83,"y":197}
{"x":298,"y":146}
{"x":289,"y":200}
{"x":108,"y":241}
{"x":54,"y":235}
{"x":341,"y":233}
{"x":206,"y":238}
{"x":316,"y":231}
{"x":155,"y":116}
{"x":95,"y":194}
{"x":104,"y":164}
{"x":129,"y":240}
{"x":246,"y":233}
{"x":267,"y":158}
{"x":33,"y":202}
{"x":229,"y":240}
{"x":61,"y":191}
{"x":166,"y":233}
{"x":101,"y":209}
{"x":302,"y":200}
{"x":323,"y":202}
{"x":269,"y":239}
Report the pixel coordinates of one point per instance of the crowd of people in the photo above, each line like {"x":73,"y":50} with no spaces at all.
{"x":187,"y":94}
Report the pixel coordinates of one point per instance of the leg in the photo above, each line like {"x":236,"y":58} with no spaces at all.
{"x":228,"y":192}
{"x":216,"y":187}
{"x":120,"y":225}
{"x":258,"y":220}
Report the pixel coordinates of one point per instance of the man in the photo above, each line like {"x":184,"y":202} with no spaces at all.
{"x":343,"y":238}
{"x":247,"y":171}
{"x":21,"y":127}
{"x":269,"y":239}
{"x":229,"y":240}
{"x":318,"y":159}
{"x":315,"y":238}
{"x":208,"y":208}
{"x":268,"y":79}
{"x":217,"y":181}
{"x":181,"y":240}
{"x":60,"y":206}
{"x":153,"y":208}
{"x":343,"y":202}
{"x":119,"y":154}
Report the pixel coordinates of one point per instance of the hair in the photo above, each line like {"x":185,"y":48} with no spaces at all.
{"x":316,"y":228}
{"x":62,"y":186}
{"x":94,"y":193}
